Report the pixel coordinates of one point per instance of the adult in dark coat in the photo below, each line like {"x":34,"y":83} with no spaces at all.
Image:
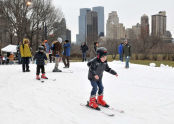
{"x":66,"y":53}
{"x":84,"y":49}
{"x":127,"y":53}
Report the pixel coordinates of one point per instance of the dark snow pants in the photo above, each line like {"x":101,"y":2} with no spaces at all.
{"x":25,"y":63}
{"x":66,"y":60}
{"x":83,"y":56}
{"x":40,"y":67}
{"x":121,"y":57}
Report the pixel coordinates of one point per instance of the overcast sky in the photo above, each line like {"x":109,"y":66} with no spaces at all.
{"x":129,"y":11}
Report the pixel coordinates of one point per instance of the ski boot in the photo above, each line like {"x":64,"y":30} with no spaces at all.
{"x":57,"y":70}
{"x":92,"y":103}
{"x":28,"y":70}
{"x":43,"y":76}
{"x":37,"y":77}
{"x":54,"y":70}
{"x":65,"y":66}
{"x":101,"y":102}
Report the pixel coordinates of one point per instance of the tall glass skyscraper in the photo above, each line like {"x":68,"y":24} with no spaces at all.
{"x":100,"y":12}
{"x":81,"y":37}
{"x":92,"y":27}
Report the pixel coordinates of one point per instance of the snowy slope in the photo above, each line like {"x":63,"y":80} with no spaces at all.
{"x":145,"y":93}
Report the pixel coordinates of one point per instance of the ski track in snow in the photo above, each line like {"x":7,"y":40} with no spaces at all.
{"x":145,"y":93}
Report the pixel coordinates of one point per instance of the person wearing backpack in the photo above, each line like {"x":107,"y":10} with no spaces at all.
{"x":57,"y":53}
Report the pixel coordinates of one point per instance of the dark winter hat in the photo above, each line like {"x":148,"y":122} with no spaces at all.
{"x":66,"y":41}
{"x":101,"y":51}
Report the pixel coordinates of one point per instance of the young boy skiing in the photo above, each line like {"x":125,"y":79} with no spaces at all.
{"x":40,"y":58}
{"x":96,"y":67}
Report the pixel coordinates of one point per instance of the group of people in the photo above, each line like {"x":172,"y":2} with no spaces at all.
{"x":7,"y":59}
{"x":124,"y":50}
{"x":58,"y":49}
{"x":61,"y":51}
{"x":97,"y":66}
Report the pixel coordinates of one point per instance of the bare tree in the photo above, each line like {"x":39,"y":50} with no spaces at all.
{"x":42,"y":17}
{"x":112,"y":46}
{"x":34,"y":21}
{"x":16,"y":11}
{"x":59,"y":29}
{"x":146,"y":45}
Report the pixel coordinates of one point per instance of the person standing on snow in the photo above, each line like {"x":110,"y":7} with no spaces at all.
{"x":47,"y":48}
{"x":127,"y":53}
{"x":93,"y":50}
{"x":40,"y":58}
{"x":66,"y":53}
{"x":25,"y":54}
{"x":96,"y":68}
{"x":84,"y":49}
{"x":11,"y":58}
{"x":50,"y":55}
{"x":120,"y":52}
{"x":57,"y":53}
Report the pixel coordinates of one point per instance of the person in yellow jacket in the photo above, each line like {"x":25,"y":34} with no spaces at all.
{"x":25,"y":54}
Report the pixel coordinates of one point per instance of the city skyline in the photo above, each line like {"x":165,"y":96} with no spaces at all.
{"x":130,"y":12}
{"x":84,"y":20}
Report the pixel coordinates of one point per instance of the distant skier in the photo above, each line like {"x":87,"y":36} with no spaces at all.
{"x":40,"y":58}
{"x":96,"y":67}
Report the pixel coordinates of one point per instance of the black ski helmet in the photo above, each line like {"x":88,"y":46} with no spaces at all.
{"x":101,"y":51}
{"x":41,"y":48}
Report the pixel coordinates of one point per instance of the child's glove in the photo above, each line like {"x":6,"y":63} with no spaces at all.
{"x":96,"y":77}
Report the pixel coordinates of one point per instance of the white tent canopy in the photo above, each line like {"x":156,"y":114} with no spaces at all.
{"x":10,"y":48}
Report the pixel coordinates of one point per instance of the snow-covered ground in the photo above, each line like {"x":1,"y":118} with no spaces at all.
{"x":145,"y":93}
